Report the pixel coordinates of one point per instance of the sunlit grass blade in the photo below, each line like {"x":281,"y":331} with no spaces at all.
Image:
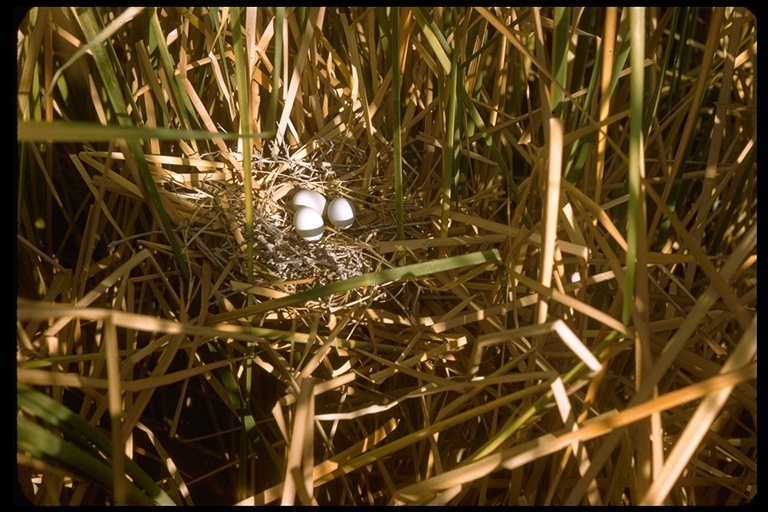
{"x":553,"y":178}
{"x":435,"y":38}
{"x":519,"y":455}
{"x":72,"y":131}
{"x":373,"y":279}
{"x":701,"y":421}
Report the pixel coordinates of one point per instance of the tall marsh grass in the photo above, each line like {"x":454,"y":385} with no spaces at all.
{"x":548,"y":296}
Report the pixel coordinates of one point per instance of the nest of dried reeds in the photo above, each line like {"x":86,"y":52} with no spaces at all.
{"x":281,"y":257}
{"x":214,"y":225}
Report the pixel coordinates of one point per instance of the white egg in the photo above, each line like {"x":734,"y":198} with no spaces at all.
{"x":308,"y":223}
{"x":310,"y":199}
{"x":341,"y":212}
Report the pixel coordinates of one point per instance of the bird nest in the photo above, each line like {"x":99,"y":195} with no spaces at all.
{"x":283,"y":260}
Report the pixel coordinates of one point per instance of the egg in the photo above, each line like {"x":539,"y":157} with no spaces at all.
{"x":310,"y":199}
{"x":308,"y":223}
{"x":341,"y":212}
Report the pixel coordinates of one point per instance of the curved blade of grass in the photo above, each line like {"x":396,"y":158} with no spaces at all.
{"x":372,"y":279}
{"x":105,"y":34}
{"x":42,"y":444}
{"x":74,"y":131}
{"x":91,"y":29}
{"x":83,"y":446}
{"x":551,"y":213}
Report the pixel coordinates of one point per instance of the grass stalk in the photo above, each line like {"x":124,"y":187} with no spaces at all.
{"x":397,"y":129}
{"x":373,"y":279}
{"x":452,"y":148}
{"x":607,"y":49}
{"x":637,"y":56}
{"x":242,"y":74}
{"x":560,"y":44}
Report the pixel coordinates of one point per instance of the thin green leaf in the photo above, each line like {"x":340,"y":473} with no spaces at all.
{"x":83,"y":444}
{"x":376,"y":278}
{"x":91,"y":29}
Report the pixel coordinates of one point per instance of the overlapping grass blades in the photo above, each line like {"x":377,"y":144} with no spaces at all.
{"x":62,"y":437}
{"x":557,"y":235}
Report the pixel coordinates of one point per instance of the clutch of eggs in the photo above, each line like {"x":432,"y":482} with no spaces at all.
{"x":310,"y":206}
